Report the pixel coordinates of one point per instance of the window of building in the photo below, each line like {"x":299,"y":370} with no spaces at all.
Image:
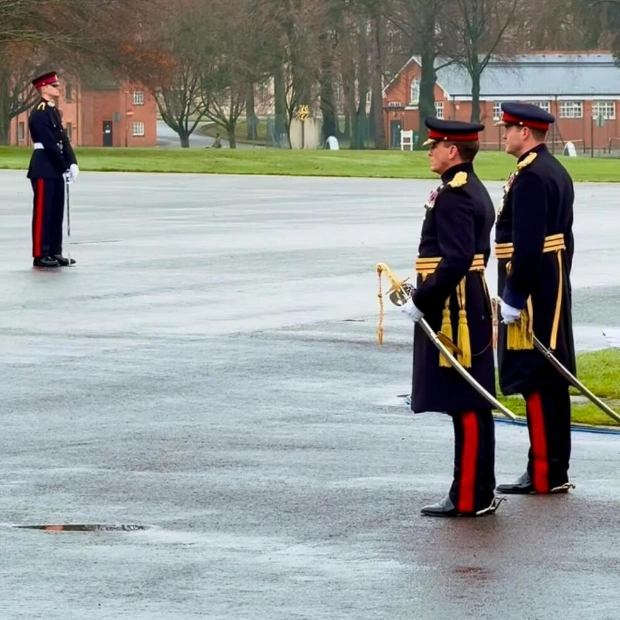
{"x":69,"y":91}
{"x":69,"y":130}
{"x":21,"y":131}
{"x":439,"y":109}
{"x":414,"y":92}
{"x":138,"y":129}
{"x":571,"y":109}
{"x":138,"y":97}
{"x":606,"y":109}
{"x":497,"y":111}
{"x":543,"y":105}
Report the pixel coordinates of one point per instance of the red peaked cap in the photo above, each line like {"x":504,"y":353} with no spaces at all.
{"x":46,"y":78}
{"x":525,"y":115}
{"x":451,"y":131}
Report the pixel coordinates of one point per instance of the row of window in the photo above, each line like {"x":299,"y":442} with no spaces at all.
{"x":137,"y":96}
{"x":568,"y":109}
{"x":138,"y":130}
{"x":572,"y":109}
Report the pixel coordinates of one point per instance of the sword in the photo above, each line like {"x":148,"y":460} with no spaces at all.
{"x":574,"y":381}
{"x":570,"y":377}
{"x":398,"y":295}
{"x":428,"y":330}
{"x":67,"y":184}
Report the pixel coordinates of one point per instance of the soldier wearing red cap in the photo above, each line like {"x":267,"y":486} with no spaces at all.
{"x":534,"y":247}
{"x":452,"y":296}
{"x":53,"y":163}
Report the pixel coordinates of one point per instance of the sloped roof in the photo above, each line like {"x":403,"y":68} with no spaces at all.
{"x":538,"y":75}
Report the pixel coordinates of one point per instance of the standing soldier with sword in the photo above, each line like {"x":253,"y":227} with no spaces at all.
{"x":452,"y":296}
{"x":535,"y":252}
{"x":53,"y":166}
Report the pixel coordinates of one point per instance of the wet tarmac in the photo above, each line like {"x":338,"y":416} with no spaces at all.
{"x":209,"y":372}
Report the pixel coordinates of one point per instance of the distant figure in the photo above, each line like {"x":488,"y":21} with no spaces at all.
{"x":217,"y":143}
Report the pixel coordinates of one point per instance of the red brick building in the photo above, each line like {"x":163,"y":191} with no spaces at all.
{"x":582,"y":91}
{"x":100,"y":115}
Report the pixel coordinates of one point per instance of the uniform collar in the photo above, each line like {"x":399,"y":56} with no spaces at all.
{"x":539,"y":148}
{"x":448,"y":175}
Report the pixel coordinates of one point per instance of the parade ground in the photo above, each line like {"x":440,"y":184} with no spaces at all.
{"x":206,"y":389}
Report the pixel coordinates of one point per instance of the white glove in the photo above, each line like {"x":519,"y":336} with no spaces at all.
{"x":509,"y":314}
{"x":409,"y":308}
{"x":74,"y":171}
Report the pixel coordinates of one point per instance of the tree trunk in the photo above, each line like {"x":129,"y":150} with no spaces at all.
{"x":279,"y":103}
{"x":232,"y":140}
{"x":360,"y":120}
{"x":5,"y":128}
{"x":326,"y":92}
{"x":427,"y":89}
{"x":475,"y":91}
{"x":376,"y":82}
{"x":5,"y":106}
{"x":250,"y":114}
{"x":184,"y":137}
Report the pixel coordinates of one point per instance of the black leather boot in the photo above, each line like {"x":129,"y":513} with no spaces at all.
{"x":524,"y":486}
{"x":45,"y":261}
{"x":445,"y":508}
{"x":521,"y":486}
{"x":62,"y":261}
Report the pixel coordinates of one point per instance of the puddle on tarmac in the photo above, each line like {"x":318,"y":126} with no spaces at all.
{"x":84,"y":527}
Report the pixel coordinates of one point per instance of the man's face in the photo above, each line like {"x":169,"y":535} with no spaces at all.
{"x":514,"y":135}
{"x":51,"y":91}
{"x":442,"y":156}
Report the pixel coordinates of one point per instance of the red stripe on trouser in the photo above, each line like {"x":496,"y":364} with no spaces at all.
{"x":37,"y":233}
{"x":469,"y":463}
{"x":538,"y":438}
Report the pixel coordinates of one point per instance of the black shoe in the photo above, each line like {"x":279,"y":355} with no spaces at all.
{"x":445,"y":508}
{"x":521,"y":486}
{"x":524,"y":486}
{"x":62,"y":261}
{"x":45,"y":261}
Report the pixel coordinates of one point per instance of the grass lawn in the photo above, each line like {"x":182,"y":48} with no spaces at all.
{"x":388,"y":164}
{"x":600,"y":373}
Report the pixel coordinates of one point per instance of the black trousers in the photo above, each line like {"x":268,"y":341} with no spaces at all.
{"x":548,"y":423}
{"x":474,"y":460}
{"x":47,"y":215}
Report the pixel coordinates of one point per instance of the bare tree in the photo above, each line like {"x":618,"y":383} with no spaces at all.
{"x":18,"y":64}
{"x":296,"y":35}
{"x":478,"y":28}
{"x":234,"y":59}
{"x":419,"y":20}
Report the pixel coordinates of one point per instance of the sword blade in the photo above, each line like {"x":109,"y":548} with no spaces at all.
{"x":574,"y":381}
{"x":428,"y":330}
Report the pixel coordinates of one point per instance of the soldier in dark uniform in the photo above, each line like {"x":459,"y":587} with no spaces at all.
{"x":452,"y":296}
{"x":52,"y":164}
{"x":534,"y":247}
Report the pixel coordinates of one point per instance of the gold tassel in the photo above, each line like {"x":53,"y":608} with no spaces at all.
{"x":463,"y":341}
{"x":380,"y":330}
{"x":520,"y":335}
{"x":446,"y":330}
